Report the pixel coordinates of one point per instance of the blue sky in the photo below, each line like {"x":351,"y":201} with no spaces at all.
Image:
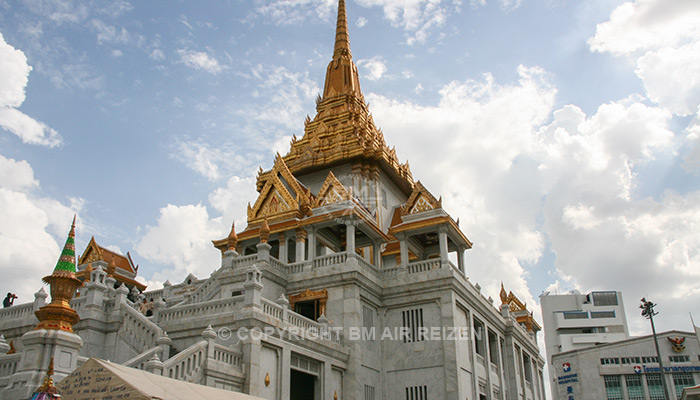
{"x":565,"y":135}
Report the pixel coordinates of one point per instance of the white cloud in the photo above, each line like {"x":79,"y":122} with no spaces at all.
{"x":157,"y":54}
{"x":663,"y":36}
{"x":519,"y":173}
{"x":108,"y":33}
{"x":361,"y":21}
{"x":199,"y":60}
{"x":375,"y":66}
{"x":31,"y":225}
{"x":417,"y":17}
{"x":14,"y":75}
{"x":182,"y":239}
{"x":691,"y":156}
{"x":294,"y":12}
{"x":116,"y":53}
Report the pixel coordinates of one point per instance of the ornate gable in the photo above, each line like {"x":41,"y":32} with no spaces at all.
{"x":519,"y":310}
{"x":92,"y":253}
{"x":420,"y":200}
{"x":331,"y":192}
{"x":281,"y":195}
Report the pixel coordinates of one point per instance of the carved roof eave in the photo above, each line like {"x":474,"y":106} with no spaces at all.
{"x":255,"y":213}
{"x":331,"y":184}
{"x":453,"y":230}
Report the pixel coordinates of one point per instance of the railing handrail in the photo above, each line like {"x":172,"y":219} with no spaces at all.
{"x":145,"y":356}
{"x":194,"y":306}
{"x":154,"y":329}
{"x":16,"y":312}
{"x":184,"y":354}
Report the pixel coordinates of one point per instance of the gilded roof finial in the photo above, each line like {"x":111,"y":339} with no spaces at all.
{"x":112,"y":268}
{"x":232,"y":237}
{"x":264,"y":231}
{"x":342,"y":39}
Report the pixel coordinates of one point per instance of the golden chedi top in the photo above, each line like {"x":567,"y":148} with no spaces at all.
{"x":58,"y":315}
{"x":343,"y":130}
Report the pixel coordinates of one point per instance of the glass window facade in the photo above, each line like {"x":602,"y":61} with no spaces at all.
{"x":613,"y":387}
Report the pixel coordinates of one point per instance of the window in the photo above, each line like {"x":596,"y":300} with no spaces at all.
{"x":368,"y":321}
{"x":630,"y":360}
{"x":650,"y":359}
{"x":635,"y":391}
{"x":613,"y":387}
{"x":681,"y":380}
{"x":493,"y":348}
{"x":604,"y":298}
{"x":413,"y":324}
{"x":603,"y":314}
{"x":369,"y":392}
{"x":679,"y":359}
{"x":609,"y":361}
{"x":575,"y":314}
{"x":655,"y":387}
{"x":417,"y":393}
{"x":479,"y":337}
{"x":527,"y":367}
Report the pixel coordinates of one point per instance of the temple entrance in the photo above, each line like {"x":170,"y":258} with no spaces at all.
{"x":302,"y":386}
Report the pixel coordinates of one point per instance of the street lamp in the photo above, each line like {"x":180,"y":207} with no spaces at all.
{"x":648,"y":312}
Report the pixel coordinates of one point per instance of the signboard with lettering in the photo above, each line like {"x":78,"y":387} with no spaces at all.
{"x":93,"y":381}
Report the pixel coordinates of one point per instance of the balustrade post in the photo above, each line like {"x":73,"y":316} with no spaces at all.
{"x":158,"y":306}
{"x":442,"y":238}
{"x":282,"y":301}
{"x":154,"y":365}
{"x":164,"y":342}
{"x":210,"y":336}
{"x":39,"y":299}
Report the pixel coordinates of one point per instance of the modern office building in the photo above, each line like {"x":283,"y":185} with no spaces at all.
{"x":628,"y":369}
{"x":340,"y":287}
{"x":575,"y":321}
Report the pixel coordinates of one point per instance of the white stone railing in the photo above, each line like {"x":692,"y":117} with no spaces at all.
{"x":297,"y":267}
{"x":227,"y":355}
{"x":9,"y":363}
{"x":330,"y":259}
{"x":16,"y":312}
{"x":78,"y":302}
{"x":422,"y":266}
{"x":139,"y":362}
{"x":206,"y":308}
{"x":154,"y":294}
{"x":371,"y":269}
{"x":138,"y":330}
{"x":244,"y":261}
{"x":277,"y":264}
{"x":271,"y":308}
{"x":299,"y":321}
{"x":187,"y":364}
{"x":204,"y":289}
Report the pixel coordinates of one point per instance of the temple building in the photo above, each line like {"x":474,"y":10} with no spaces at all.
{"x":348,"y":282}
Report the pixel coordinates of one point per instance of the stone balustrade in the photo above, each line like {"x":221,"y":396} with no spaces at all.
{"x":17,"y":312}
{"x":244,"y":261}
{"x":293,"y":319}
{"x":187,"y":364}
{"x":9,"y":363}
{"x":139,"y":362}
{"x":422,"y":266}
{"x":330,"y":259}
{"x":271,"y":308}
{"x":227,"y":355}
{"x":207,"y":308}
{"x":138,"y":330}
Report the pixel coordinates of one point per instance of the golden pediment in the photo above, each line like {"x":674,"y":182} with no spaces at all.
{"x":331,"y":192}
{"x":420,"y":200}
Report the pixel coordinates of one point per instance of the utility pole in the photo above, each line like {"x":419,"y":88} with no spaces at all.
{"x":648,"y":312}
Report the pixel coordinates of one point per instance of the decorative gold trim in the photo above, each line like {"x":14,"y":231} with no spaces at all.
{"x":335,"y":396}
{"x":306,"y":295}
{"x":331,"y":192}
{"x":420,"y":200}
{"x":267,"y":379}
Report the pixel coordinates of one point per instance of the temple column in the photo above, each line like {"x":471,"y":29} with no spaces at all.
{"x":300,"y":239}
{"x":350,"y":237}
{"x":282,"y":256}
{"x":377,"y":253}
{"x":460,"y":258}
{"x":311,"y":243}
{"x":442,"y":235}
{"x":403,"y":246}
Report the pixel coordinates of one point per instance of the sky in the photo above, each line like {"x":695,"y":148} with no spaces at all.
{"x":564,"y":134}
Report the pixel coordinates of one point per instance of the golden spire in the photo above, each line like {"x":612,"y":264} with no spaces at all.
{"x":341,"y":75}
{"x":342,"y":39}
{"x":48,"y":386}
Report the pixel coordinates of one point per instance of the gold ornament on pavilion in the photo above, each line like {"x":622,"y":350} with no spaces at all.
{"x":264,"y":231}
{"x":232,"y":238}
